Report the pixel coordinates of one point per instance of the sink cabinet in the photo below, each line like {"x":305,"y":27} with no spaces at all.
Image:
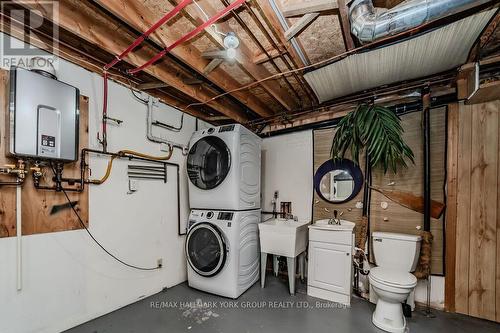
{"x":330,"y":264}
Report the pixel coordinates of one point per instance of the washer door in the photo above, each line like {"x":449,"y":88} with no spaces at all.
{"x":208,"y":162}
{"x":205,"y":249}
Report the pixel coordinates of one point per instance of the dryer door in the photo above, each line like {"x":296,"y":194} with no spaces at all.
{"x":208,"y":163}
{"x":205,"y":249}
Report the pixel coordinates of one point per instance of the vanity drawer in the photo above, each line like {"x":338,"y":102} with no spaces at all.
{"x":330,"y":236}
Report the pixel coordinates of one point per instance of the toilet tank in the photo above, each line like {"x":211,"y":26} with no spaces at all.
{"x":394,"y":250}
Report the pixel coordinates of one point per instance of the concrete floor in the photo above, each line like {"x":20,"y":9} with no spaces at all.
{"x":181,"y":309}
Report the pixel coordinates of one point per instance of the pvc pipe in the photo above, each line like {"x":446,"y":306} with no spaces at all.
{"x":18,"y":239}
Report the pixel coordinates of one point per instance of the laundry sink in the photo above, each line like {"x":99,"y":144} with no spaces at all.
{"x":324,"y":225}
{"x":283,"y":237}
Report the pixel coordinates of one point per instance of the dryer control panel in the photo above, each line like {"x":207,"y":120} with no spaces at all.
{"x":212,"y":216}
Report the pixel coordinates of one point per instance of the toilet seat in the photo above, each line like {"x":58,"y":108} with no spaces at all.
{"x":393,"y":278}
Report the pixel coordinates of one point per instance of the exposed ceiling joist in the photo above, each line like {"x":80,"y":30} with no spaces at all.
{"x":314,"y":6}
{"x":244,"y":56}
{"x":262,"y":57}
{"x":140,"y":17}
{"x":90,"y":24}
{"x":345,"y":25}
{"x":300,"y":25}
{"x":151,"y":85}
{"x":212,"y":65}
{"x":72,"y":49}
{"x":218,"y":54}
{"x":270,"y":17}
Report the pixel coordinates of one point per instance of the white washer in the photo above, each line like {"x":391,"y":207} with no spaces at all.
{"x":222,"y":251}
{"x":223,"y":167}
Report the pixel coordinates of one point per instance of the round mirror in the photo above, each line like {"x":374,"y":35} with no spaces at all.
{"x":338,"y":181}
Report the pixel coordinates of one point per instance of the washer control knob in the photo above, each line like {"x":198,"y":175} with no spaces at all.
{"x":211,"y":130}
{"x":210,"y":215}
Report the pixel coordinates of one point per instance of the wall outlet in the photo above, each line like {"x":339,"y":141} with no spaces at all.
{"x":159,"y":263}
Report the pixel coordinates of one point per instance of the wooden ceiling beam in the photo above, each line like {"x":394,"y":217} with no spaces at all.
{"x":300,"y":25}
{"x":262,"y":57}
{"x":307,"y":7}
{"x":345,"y":25}
{"x":244,"y":55}
{"x":212,"y":65}
{"x":140,"y":17}
{"x":75,"y":54}
{"x":273,"y":22}
{"x":95,"y":27}
{"x":151,"y":85}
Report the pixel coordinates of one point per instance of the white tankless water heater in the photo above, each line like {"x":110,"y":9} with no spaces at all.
{"x":44,"y":117}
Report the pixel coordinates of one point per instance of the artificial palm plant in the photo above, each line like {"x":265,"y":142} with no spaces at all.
{"x":375,"y":130}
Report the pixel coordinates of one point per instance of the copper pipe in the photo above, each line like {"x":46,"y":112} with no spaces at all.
{"x":263,"y":49}
{"x":305,"y":87}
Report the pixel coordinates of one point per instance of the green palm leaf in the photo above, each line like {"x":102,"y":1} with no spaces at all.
{"x":375,"y":130}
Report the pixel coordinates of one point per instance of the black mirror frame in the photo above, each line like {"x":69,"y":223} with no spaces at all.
{"x":343,"y":164}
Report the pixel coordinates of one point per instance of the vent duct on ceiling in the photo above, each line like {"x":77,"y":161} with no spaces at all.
{"x":369,"y":23}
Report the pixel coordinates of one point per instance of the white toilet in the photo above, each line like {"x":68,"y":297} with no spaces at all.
{"x":396,"y":255}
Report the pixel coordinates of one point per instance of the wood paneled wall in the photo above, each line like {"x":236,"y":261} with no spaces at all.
{"x":322,"y":209}
{"x":474,"y":202}
{"x":37,"y":204}
{"x":396,"y":218}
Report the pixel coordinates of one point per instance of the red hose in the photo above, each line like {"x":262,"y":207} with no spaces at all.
{"x":188,"y":36}
{"x":145,"y":35}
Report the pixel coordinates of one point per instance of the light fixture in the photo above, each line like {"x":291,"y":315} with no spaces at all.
{"x":231,"y":54}
{"x":231,"y":42}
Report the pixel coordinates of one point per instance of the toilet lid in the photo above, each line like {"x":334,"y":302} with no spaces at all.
{"x":393,"y":277}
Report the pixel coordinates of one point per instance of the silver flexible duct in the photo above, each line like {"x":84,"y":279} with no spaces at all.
{"x":369,"y":23}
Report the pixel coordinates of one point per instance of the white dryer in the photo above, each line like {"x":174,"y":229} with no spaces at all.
{"x":223,"y":167}
{"x":222,"y":251}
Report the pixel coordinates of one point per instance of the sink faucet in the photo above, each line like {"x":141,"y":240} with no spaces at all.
{"x":335,"y":220}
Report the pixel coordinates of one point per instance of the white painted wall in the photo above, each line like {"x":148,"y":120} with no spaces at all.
{"x":67,"y":279}
{"x":287,"y":167}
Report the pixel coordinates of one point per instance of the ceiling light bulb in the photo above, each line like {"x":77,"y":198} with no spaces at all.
{"x":231,"y":41}
{"x":231,"y":53}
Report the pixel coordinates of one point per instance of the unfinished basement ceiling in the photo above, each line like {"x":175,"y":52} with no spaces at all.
{"x":184,"y":76}
{"x":430,"y":53}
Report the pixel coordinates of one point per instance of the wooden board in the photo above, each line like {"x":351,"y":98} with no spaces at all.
{"x":397,"y":218}
{"x":483,"y":201}
{"x":451,"y":208}
{"x":477,"y":259}
{"x":37,"y":204}
{"x":463,"y":211}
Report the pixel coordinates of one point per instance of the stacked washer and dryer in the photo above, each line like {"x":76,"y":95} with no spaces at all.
{"x":222,"y":242}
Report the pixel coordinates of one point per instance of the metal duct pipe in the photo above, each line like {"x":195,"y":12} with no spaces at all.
{"x":369,"y":23}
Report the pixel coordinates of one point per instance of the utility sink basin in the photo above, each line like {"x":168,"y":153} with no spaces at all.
{"x":343,"y":226}
{"x":283,"y":237}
